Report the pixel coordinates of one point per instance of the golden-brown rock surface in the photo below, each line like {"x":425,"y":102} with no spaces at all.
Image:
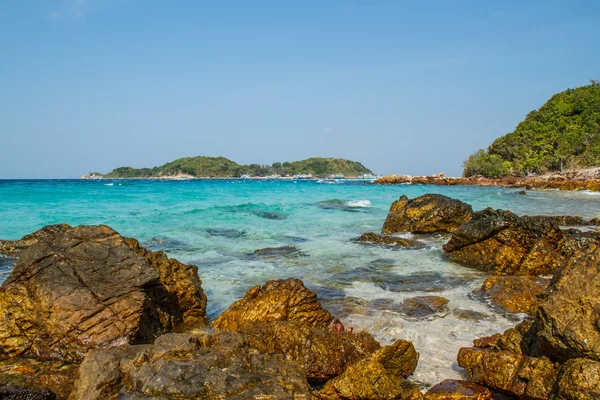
{"x":451,"y":389}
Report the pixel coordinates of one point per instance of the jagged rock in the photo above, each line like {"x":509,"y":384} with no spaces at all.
{"x":282,"y":300}
{"x":25,"y":393}
{"x":568,"y":220}
{"x":55,"y":376}
{"x":568,"y":322}
{"x":502,"y":242}
{"x":380,"y":376}
{"x":79,"y":288}
{"x":429,"y":213}
{"x":517,"y":294}
{"x":323,"y":354}
{"x":579,"y":379}
{"x":384,"y":240}
{"x":451,"y":389}
{"x":202,"y":365}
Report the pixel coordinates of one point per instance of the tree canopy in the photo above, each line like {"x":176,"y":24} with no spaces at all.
{"x":563,"y":133}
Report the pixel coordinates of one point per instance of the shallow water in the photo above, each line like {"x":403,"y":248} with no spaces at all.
{"x":218,"y":224}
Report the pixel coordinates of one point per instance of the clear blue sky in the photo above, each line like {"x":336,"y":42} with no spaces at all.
{"x":403,"y":86}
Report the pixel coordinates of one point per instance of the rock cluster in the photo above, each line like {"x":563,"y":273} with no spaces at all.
{"x":557,"y":354}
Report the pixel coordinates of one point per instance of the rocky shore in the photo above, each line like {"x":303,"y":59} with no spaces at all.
{"x":555,"y":181}
{"x":89,"y":314}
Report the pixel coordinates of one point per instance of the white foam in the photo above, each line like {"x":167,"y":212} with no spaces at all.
{"x":359,"y":203}
{"x":109,"y":184}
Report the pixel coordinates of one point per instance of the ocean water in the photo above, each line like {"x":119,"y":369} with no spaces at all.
{"x":217,"y":225}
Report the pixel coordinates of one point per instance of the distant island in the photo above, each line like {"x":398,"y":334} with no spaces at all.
{"x":221,"y":167}
{"x":564,"y":134}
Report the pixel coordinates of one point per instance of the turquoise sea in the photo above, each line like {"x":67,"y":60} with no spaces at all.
{"x":217,"y":225}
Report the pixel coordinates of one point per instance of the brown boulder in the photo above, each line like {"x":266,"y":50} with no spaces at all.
{"x":282,"y":300}
{"x":502,"y":242}
{"x":568,"y":322}
{"x":429,"y":213}
{"x":13,"y":248}
{"x":423,"y":306}
{"x":202,"y":365}
{"x":323,"y":354}
{"x":380,"y":376}
{"x":451,"y":389}
{"x":79,"y":288}
{"x":516,"y":294}
{"x":579,"y":379}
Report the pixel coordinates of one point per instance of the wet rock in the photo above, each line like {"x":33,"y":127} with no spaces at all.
{"x":269,"y":215}
{"x":522,"y":193}
{"x":451,"y":389}
{"x":336,"y":204}
{"x":202,"y":365}
{"x":420,"y":307}
{"x":55,"y":376}
{"x":282,"y":300}
{"x":323,"y":354}
{"x":516,"y":294}
{"x":579,"y":379}
{"x":273,"y":252}
{"x":426,"y":214}
{"x":567,"y":220}
{"x":380,"y":376}
{"x":509,"y":373}
{"x":228,"y":233}
{"x":568,"y":322}
{"x":502,"y":242}
{"x":86,"y":287}
{"x":390,"y":241}
{"x":24,"y":393}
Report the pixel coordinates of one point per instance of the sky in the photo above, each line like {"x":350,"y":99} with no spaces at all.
{"x":405,"y":87}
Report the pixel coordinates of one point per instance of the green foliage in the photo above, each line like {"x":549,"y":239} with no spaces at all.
{"x":564,"y":132}
{"x":221,"y":167}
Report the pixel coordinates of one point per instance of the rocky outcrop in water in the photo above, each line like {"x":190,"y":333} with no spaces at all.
{"x":78,"y":288}
{"x":516,"y":294}
{"x":430,"y":213}
{"x":556,"y":355}
{"x":200,"y":365}
{"x":506,"y":244}
{"x":283,"y":300}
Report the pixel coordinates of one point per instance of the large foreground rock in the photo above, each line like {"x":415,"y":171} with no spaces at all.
{"x":380,"y":376}
{"x":282,"y":300}
{"x":79,"y":288}
{"x":203,"y":365}
{"x":426,"y":214}
{"x":556,"y":355}
{"x":516,"y":294}
{"x":506,"y":244}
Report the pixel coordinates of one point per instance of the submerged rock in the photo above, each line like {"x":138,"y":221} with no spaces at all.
{"x":203,"y":365}
{"x":336,"y":204}
{"x":228,"y":233}
{"x":426,"y":214}
{"x":379,"y":376}
{"x":516,"y":294}
{"x":451,"y":389}
{"x":273,"y":252}
{"x":502,"y":242}
{"x":391,"y":241}
{"x":283,"y":300}
{"x":78,"y":288}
